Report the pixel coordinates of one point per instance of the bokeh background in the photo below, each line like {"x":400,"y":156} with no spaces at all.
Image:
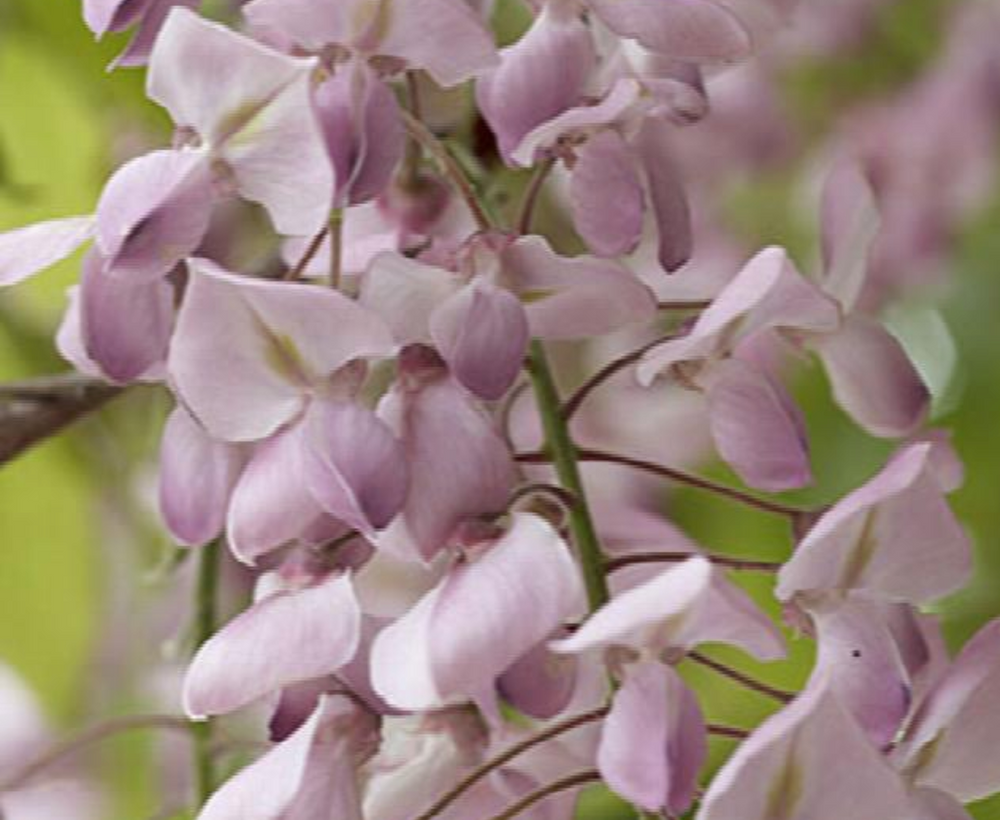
{"x":93,"y":597}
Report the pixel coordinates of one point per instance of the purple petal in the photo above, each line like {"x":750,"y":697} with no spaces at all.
{"x":354,"y":466}
{"x":154,"y":212}
{"x":482,"y":332}
{"x":270,"y":504}
{"x":666,"y":192}
{"x":310,"y":23}
{"x":568,"y":298}
{"x":197,"y":475}
{"x":553,"y":59}
{"x":286,"y":638}
{"x":873,"y":379}
{"x":126,"y":326}
{"x":540,"y":683}
{"x":30,"y":250}
{"x":859,"y":657}
{"x":654,"y":741}
{"x":753,"y":428}
{"x":607,"y":196}
{"x":435,"y":422}
{"x":693,"y":30}
{"x":141,"y":45}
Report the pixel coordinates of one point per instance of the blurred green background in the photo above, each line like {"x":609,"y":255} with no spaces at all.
{"x":77,"y":526}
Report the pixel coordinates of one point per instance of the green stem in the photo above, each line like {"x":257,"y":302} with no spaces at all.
{"x":564,"y":459}
{"x":336,"y":247}
{"x":204,"y":625}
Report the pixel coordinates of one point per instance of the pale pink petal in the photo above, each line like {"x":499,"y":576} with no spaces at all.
{"x":653,"y":742}
{"x":247,"y":350}
{"x":810,"y":760}
{"x":485,"y":614}
{"x":197,"y":475}
{"x":126,"y":326}
{"x":553,"y":58}
{"x":416,"y":31}
{"x":584,"y":119}
{"x":931,"y":804}
{"x":315,"y":767}
{"x":667,"y":197}
{"x":286,"y":638}
{"x":30,"y":250}
{"x":753,"y":428}
{"x":405,"y":293}
{"x":951,"y":741}
{"x":154,"y":212}
{"x":873,"y":379}
{"x":568,"y":298}
{"x":895,"y":537}
{"x":310,"y":23}
{"x":354,"y":466}
{"x":607,"y":198}
{"x":270,"y":503}
{"x":69,"y":337}
{"x":102,"y":16}
{"x":482,"y":333}
{"x":646,"y":616}
{"x":859,"y":657}
{"x":695,"y":30}
{"x":212,"y":79}
{"x":850,"y":223}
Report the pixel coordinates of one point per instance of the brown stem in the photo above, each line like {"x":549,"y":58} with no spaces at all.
{"x":494,"y":763}
{"x":695,"y":304}
{"x":572,"y":404}
{"x":742,"y":679}
{"x":437,"y":149}
{"x":601,"y":457}
{"x":570,"y":782}
{"x":526,"y":213}
{"x":93,"y":734}
{"x":667,"y":557}
{"x":727,"y":731}
{"x":311,"y":250}
{"x":36,"y":409}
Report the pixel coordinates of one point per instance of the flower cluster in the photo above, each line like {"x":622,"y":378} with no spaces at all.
{"x":446,"y":622}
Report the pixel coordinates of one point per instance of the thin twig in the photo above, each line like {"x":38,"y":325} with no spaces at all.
{"x":310,"y":253}
{"x":437,"y":149}
{"x":614,"y":564}
{"x":506,"y":756}
{"x":570,"y":782}
{"x":727,"y":731}
{"x":336,"y":230}
{"x":601,"y":457}
{"x":37,"y":409}
{"x":92,"y":734}
{"x":526,"y":212}
{"x":741,"y":678}
{"x":572,"y":404}
{"x":695,"y":304}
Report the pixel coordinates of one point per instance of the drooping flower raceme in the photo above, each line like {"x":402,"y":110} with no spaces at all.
{"x":444,"y":624}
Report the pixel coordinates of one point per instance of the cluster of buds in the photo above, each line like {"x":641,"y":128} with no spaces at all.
{"x":447,"y":623}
